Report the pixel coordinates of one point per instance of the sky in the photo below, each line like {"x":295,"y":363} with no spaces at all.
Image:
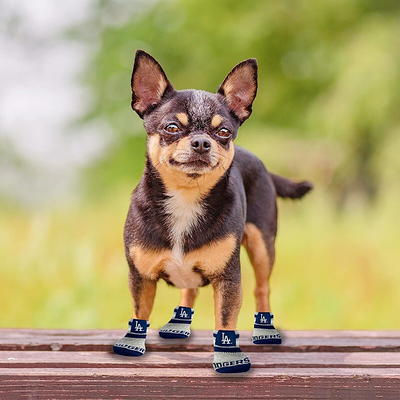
{"x":41,"y":149}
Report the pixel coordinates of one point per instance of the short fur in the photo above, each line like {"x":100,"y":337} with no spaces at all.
{"x":200,"y":196}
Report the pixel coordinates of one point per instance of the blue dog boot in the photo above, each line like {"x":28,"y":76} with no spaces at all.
{"x":228,"y":358}
{"x":133,"y":343}
{"x":264,"y":331}
{"x":178,"y":326}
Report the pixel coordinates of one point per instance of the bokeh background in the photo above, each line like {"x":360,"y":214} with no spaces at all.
{"x":71,"y":150}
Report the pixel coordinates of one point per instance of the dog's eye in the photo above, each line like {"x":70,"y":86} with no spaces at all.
{"x":224,"y":133}
{"x":172,"y":128}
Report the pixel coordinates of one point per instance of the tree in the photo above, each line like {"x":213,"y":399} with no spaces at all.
{"x":326,"y":68}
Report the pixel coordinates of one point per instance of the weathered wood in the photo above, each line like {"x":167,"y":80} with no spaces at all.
{"x":203,"y":372}
{"x":294,"y":341}
{"x":95,"y":359}
{"x":200,"y":383}
{"x":309,"y":365}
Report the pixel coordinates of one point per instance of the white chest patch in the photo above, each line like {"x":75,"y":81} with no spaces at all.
{"x":183,"y":215}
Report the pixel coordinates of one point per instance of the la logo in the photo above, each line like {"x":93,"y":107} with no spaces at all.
{"x":225,"y":339}
{"x":263,"y":320}
{"x":138,"y":327}
{"x":183,"y":314}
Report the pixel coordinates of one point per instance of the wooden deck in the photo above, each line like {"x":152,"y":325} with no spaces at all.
{"x":67,"y":364}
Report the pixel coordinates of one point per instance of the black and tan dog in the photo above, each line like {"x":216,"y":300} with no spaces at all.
{"x":199,"y":199}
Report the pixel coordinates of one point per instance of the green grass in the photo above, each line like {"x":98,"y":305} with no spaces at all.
{"x":66,"y":269}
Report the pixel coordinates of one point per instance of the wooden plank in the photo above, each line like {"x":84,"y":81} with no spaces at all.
{"x":309,"y":365}
{"x":294,"y":341}
{"x":388,"y":373}
{"x":200,"y":383}
{"x":18,"y":332}
{"x":55,"y":359}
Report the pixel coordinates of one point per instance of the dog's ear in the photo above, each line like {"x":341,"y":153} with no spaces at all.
{"x":149,"y":83}
{"x":240,"y":88}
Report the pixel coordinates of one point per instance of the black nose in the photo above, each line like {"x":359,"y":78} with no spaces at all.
{"x":201,"y":145}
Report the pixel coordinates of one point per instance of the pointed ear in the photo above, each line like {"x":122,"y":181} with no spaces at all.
{"x":149,"y":83}
{"x":240,"y":87}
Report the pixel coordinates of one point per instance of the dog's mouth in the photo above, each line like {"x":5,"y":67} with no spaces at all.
{"x":198,"y":163}
{"x":194,"y":163}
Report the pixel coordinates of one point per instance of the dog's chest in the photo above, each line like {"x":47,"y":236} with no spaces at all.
{"x":183,"y":214}
{"x":189,"y":269}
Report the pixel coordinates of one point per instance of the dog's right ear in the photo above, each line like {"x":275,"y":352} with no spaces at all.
{"x":240,"y":88}
{"x":149,"y":83}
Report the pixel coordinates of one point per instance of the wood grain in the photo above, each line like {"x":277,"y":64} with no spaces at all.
{"x":294,"y":341}
{"x":67,"y":364}
{"x":95,"y":359}
{"x":286,"y":383}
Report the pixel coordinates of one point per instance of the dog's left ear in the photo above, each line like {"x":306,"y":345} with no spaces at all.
{"x":240,"y":88}
{"x":149,"y":83}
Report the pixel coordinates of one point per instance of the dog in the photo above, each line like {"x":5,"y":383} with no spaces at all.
{"x":200,"y":198}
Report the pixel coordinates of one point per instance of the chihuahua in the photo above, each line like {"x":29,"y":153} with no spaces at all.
{"x":200,"y":198}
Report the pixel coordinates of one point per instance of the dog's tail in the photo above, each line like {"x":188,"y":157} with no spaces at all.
{"x":288,"y":189}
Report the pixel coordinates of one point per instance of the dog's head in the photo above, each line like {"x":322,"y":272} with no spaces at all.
{"x":191,"y":132}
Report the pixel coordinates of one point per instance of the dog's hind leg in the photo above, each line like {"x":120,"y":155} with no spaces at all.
{"x":188,"y":297}
{"x":143,"y":293}
{"x":259,"y":241}
{"x":178,"y":327}
{"x":261,"y":255}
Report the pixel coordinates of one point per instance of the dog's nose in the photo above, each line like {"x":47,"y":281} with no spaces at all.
{"x":201,"y":145}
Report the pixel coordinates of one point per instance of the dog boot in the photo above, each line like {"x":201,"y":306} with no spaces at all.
{"x":133,"y":343}
{"x":264,"y":331}
{"x":228,"y":358}
{"x":178,"y":326}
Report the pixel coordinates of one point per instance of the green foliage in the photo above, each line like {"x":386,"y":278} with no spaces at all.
{"x":67,"y":269}
{"x":327,"y":68}
{"x":124,"y":163}
{"x":326,"y":110}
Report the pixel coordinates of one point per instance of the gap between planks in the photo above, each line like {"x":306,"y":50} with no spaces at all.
{"x":201,"y":341}
{"x":156,"y":373}
{"x":51,"y":359}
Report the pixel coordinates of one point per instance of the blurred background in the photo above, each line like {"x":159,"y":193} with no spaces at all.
{"x":71,"y":151}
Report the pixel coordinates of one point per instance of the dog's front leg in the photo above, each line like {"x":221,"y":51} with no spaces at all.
{"x":228,"y":357}
{"x":227,"y":302}
{"x":143,"y":292}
